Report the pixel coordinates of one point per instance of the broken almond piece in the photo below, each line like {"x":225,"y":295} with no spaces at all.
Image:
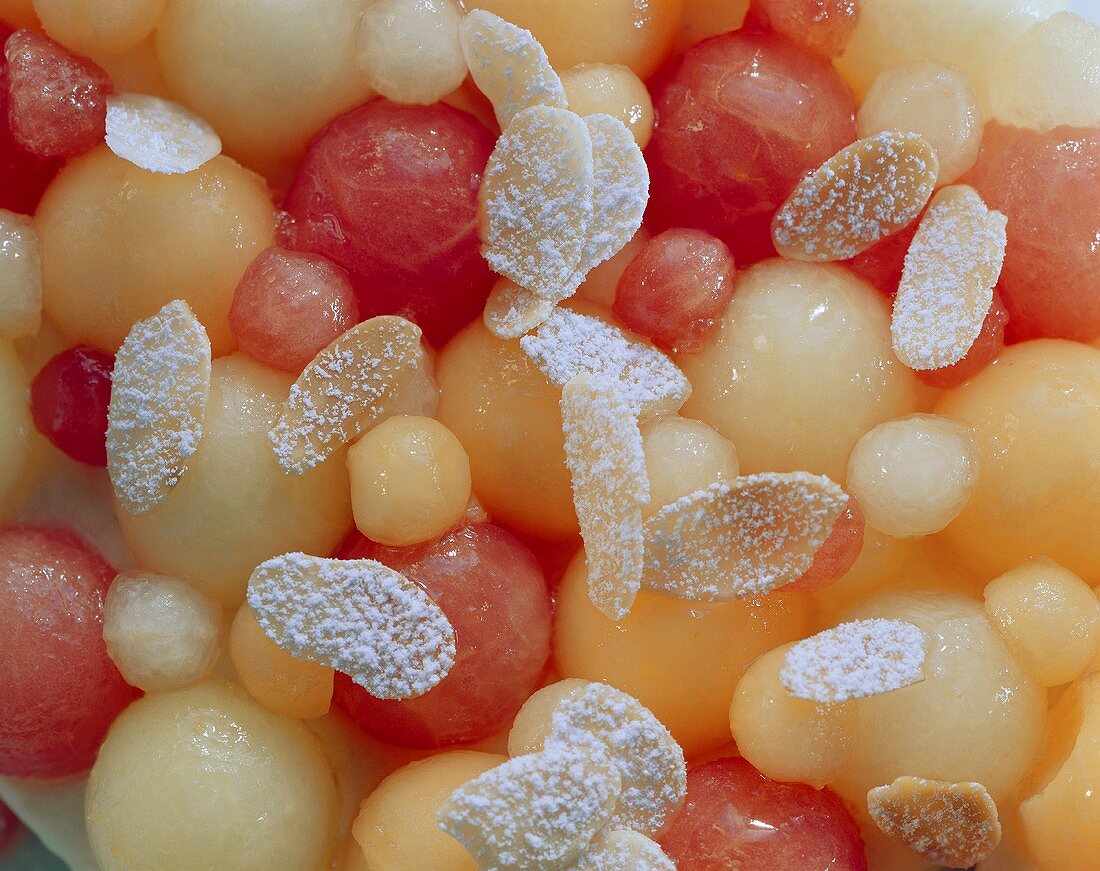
{"x":949,"y":824}
{"x":159,"y":389}
{"x":855,"y":660}
{"x":511,"y":311}
{"x":740,"y":538}
{"x":20,"y":277}
{"x":373,"y":371}
{"x":624,"y":850}
{"x":865,"y":192}
{"x":536,"y":199}
{"x":603,"y":451}
{"x":536,"y":811}
{"x":508,"y":65}
{"x":357,"y":616}
{"x":159,"y":135}
{"x":947,"y":283}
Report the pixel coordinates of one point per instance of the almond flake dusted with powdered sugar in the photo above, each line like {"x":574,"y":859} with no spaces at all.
{"x":624,"y":850}
{"x":538,"y":811}
{"x":159,"y":389}
{"x":511,"y":311}
{"x":508,"y":65}
{"x":649,"y":761}
{"x":569,"y":344}
{"x":536,"y":197}
{"x":375,"y":370}
{"x":951,"y":824}
{"x":947,"y":283}
{"x":357,"y":616}
{"x":855,"y":660}
{"x":865,"y":192}
{"x":159,"y":135}
{"x":740,"y":538}
{"x":603,"y":451}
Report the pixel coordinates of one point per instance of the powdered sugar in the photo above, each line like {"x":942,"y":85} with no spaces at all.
{"x":511,"y":311}
{"x":624,"y":850}
{"x":159,"y":135}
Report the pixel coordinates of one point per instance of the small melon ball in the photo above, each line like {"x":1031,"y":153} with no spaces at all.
{"x":611,"y":89}
{"x":70,"y":398}
{"x":118,"y":243}
{"x":17,"y":446}
{"x":95,"y":28}
{"x":601,"y":283}
{"x":205,"y":777}
{"x":627,"y":32}
{"x":703,"y":19}
{"x":913,"y":476}
{"x":821,"y":26}
{"x":932,"y":100}
{"x":534,"y":721}
{"x":136,"y":70}
{"x":802,"y":366}
{"x":409,"y":50}
{"x":788,"y":738}
{"x":20,"y":277}
{"x":506,"y":414}
{"x":161,"y":633}
{"x":1034,"y":413}
{"x":396,"y":826}
{"x":1049,"y":618}
{"x":235,"y":507}
{"x":410,"y":481}
{"x":680,"y":659}
{"x":266,"y":73}
{"x":292,"y":687}
{"x":682,"y":456}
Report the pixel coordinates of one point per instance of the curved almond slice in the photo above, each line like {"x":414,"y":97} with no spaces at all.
{"x":536,"y":811}
{"x":603,"y":450}
{"x":159,"y":389}
{"x":865,"y":192}
{"x":951,"y":824}
{"x":357,"y":616}
{"x":509,"y":66}
{"x":373,"y":371}
{"x":511,"y":311}
{"x":536,"y":197}
{"x":740,"y":538}
{"x":20,"y":277}
{"x":624,"y":850}
{"x":947,"y":284}
{"x":855,"y":660}
{"x":159,"y":135}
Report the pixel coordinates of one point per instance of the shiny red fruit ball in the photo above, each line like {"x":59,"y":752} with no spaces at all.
{"x":69,"y":400}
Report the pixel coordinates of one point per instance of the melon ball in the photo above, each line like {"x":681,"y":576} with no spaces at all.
{"x":682,"y":456}
{"x":161,"y":633}
{"x":535,"y":719}
{"x":396,"y":826}
{"x":801,"y":367}
{"x":268,"y":74}
{"x":235,"y":507}
{"x":703,"y":19}
{"x":93,"y":27}
{"x":204,"y":777}
{"x":136,"y":70}
{"x":17,"y":443}
{"x":1034,"y":412}
{"x":600,"y":284}
{"x":610,"y":89}
{"x":680,"y":659}
{"x":1049,"y":618}
{"x":118,"y":243}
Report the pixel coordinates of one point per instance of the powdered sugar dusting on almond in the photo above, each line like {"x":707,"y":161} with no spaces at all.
{"x":624,"y":850}
{"x":159,"y":135}
{"x":511,"y":311}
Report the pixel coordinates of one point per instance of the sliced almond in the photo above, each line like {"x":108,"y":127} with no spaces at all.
{"x":159,"y":135}
{"x":947,"y":284}
{"x":865,"y":192}
{"x":373,"y":371}
{"x":624,"y":850}
{"x":159,"y":389}
{"x":357,"y":616}
{"x":740,"y":538}
{"x":949,"y":824}
{"x":20,"y":277}
{"x":509,"y":66}
{"x":855,"y":660}
{"x":511,"y":311}
{"x":536,"y":198}
{"x":536,"y":811}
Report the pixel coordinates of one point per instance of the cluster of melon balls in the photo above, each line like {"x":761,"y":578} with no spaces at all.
{"x":867,"y":278}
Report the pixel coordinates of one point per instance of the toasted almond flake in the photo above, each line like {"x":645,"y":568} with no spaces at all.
{"x":20,"y":277}
{"x":511,"y":311}
{"x":603,"y":450}
{"x":536,"y":197}
{"x":649,"y":761}
{"x":373,"y":371}
{"x":536,"y":811}
{"x":509,"y":66}
{"x":947,"y":284}
{"x":855,"y":660}
{"x":950,"y":824}
{"x":865,"y":192}
{"x":740,"y":538}
{"x":624,"y":850}
{"x":159,"y":135}
{"x":159,"y":389}
{"x":357,"y":616}
{"x":569,"y":344}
